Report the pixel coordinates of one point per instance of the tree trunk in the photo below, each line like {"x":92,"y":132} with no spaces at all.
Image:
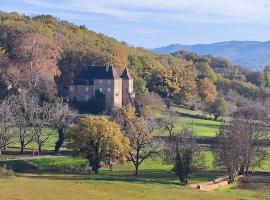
{"x":183,"y":182}
{"x":242,"y":170}
{"x":95,"y":165}
{"x":231,"y":177}
{"x":136,"y":170}
{"x":95,"y":169}
{"x":39,"y":148}
{"x":22,"y":149}
{"x":60,"y":140}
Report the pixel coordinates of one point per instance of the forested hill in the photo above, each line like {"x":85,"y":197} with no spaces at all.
{"x":48,"y":53}
{"x":252,"y":54}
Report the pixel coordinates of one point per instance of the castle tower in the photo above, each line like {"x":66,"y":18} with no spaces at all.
{"x":127,"y":88}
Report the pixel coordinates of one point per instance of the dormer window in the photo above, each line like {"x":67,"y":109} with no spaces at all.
{"x":109,"y":82}
{"x":100,"y":81}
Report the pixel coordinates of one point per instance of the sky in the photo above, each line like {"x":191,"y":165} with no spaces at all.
{"x":156,"y":23}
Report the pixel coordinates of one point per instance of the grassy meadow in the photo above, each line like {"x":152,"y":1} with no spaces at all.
{"x":203,"y":125}
{"x":67,"y":177}
{"x":59,"y":187}
{"x":59,"y":178}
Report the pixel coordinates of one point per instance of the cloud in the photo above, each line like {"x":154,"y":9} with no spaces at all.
{"x":196,"y":11}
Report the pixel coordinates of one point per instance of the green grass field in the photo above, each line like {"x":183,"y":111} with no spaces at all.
{"x":49,"y":144}
{"x":69,"y":177}
{"x":50,"y":179}
{"x":59,"y":187}
{"x":152,"y":170}
{"x":195,"y":119}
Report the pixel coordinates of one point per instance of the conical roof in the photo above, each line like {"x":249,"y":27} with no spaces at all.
{"x":125,"y":75}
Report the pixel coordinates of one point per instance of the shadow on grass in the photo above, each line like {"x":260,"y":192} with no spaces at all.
{"x":66,"y":172}
{"x":145,"y":177}
{"x":129,"y":178}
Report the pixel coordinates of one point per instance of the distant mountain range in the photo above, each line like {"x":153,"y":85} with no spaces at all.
{"x":251,"y":54}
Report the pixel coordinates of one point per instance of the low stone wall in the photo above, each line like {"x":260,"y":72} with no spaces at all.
{"x":212,"y":185}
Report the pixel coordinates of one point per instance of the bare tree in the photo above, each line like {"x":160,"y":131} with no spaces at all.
{"x":22,"y":107}
{"x":239,"y":142}
{"x":7,"y":135}
{"x":138,"y":131}
{"x":142,"y":145}
{"x":181,"y":150}
{"x":36,"y":121}
{"x":149,"y":105}
{"x":41,"y":124}
{"x":227,"y":151}
{"x":169,"y":122}
{"x":62,"y":116}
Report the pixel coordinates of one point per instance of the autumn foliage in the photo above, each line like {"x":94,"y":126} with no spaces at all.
{"x":99,"y":140}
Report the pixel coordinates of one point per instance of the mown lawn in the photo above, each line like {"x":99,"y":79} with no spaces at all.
{"x":65,"y":187}
{"x":152,"y":170}
{"x":194,"y":119}
{"x":62,"y":177}
{"x":70,"y":178}
{"x":254,"y":190}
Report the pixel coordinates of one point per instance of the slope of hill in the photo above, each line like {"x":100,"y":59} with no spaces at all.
{"x":252,"y":54}
{"x":51,"y":52}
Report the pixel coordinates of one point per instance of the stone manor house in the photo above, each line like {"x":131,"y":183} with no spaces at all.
{"x":117,"y":87}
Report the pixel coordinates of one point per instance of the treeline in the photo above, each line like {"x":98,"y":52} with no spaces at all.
{"x":227,"y":76}
{"x":48,"y":52}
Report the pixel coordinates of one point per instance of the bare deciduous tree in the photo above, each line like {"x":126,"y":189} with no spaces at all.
{"x":22,"y":107}
{"x":6,"y":123}
{"x":169,"y":122}
{"x":239,"y":142}
{"x":150,"y":105}
{"x":138,"y":131}
{"x":41,"y":124}
{"x":142,"y":144}
{"x":62,"y":116}
{"x":181,"y":150}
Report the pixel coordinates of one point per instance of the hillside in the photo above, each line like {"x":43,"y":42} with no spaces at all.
{"x":50,"y":52}
{"x":251,"y":54}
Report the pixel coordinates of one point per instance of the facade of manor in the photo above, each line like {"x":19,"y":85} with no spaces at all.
{"x":117,"y":88}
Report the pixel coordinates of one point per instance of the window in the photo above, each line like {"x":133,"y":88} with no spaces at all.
{"x":100,"y":81}
{"x":71,"y":88}
{"x":109,"y":89}
{"x":109,"y":82}
{"x":86,"y":97}
{"x":86,"y":88}
{"x":100,"y":89}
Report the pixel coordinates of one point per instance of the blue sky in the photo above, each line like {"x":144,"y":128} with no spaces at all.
{"x":154,"y":23}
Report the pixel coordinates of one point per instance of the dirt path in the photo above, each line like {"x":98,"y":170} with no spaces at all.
{"x":30,"y":157}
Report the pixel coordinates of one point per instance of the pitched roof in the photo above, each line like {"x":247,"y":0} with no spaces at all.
{"x":125,"y":75}
{"x":95,"y":72}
